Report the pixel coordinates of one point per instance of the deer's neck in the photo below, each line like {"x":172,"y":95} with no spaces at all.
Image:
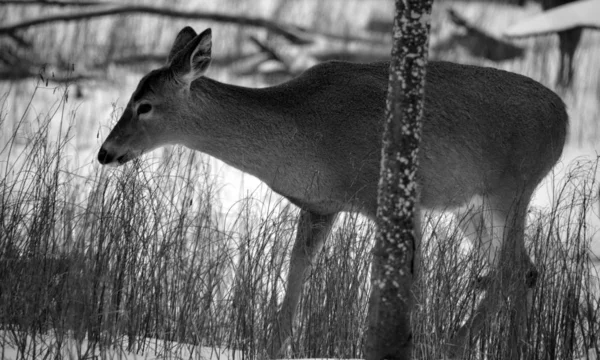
{"x":250,"y":129}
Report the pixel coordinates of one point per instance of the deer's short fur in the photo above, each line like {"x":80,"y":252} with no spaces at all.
{"x":489,"y":137}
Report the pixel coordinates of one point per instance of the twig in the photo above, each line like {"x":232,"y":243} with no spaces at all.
{"x":19,"y":40}
{"x":265,"y":48}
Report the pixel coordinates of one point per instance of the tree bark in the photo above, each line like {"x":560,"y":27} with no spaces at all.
{"x":395,"y":256}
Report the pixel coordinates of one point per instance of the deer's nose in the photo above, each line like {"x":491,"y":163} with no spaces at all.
{"x":104,"y":157}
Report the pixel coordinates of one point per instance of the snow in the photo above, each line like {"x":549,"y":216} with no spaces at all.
{"x":579,"y":13}
{"x":571,"y":159}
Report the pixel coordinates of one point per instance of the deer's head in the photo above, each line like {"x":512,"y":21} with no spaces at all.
{"x":155,"y":114}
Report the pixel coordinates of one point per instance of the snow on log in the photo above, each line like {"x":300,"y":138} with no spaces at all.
{"x":584,"y":13}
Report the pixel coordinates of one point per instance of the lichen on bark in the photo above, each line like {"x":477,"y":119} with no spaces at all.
{"x":389,"y":334}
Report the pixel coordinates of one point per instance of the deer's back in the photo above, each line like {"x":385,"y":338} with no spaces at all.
{"x":485,"y":131}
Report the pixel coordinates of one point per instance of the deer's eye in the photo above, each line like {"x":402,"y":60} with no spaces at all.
{"x":144,"y":108}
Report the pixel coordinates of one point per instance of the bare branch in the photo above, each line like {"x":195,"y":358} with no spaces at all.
{"x":53,"y":3}
{"x":292,"y":33}
{"x":289,"y":32}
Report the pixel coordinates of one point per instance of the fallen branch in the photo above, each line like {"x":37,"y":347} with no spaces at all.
{"x":480,"y":43}
{"x":584,"y":13}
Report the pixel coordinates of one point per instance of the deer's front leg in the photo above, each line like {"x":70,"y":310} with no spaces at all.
{"x":312,"y":231}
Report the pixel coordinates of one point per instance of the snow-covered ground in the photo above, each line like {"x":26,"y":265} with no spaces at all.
{"x":154,"y":350}
{"x":44,"y":346}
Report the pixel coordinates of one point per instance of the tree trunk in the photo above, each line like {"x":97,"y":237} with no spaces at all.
{"x":395,"y":257}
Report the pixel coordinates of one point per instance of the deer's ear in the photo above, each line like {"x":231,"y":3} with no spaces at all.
{"x":192,"y":61}
{"x":186,"y":35}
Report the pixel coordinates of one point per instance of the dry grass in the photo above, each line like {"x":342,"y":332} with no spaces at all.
{"x":152,"y":251}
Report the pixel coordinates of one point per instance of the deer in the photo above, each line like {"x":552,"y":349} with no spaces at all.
{"x":488,"y":138}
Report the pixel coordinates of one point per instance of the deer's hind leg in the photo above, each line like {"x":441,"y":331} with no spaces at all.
{"x":312,"y":232}
{"x":500,"y":229}
{"x":476,"y":222}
